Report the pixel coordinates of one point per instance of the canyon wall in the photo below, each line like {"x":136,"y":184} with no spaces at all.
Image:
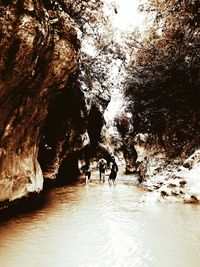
{"x":42,"y":109}
{"x":162,"y":95}
{"x":39,"y":52}
{"x":46,"y":114}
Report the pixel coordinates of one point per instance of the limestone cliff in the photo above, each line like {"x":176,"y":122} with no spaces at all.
{"x":38,"y":53}
{"x":47,"y":114}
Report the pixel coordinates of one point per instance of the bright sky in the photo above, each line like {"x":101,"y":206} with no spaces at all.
{"x":127,"y":15}
{"x":125,"y":20}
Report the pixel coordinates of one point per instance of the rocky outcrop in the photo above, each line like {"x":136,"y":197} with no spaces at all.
{"x":168,"y":179}
{"x":39,"y":51}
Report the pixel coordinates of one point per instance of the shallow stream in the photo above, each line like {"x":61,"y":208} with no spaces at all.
{"x":97,"y":225}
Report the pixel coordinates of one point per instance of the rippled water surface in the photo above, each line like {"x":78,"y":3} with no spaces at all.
{"x":96,"y":225}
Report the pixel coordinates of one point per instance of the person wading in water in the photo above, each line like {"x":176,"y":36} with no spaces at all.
{"x":87,"y":172}
{"x":102,"y":169}
{"x":113,"y":173}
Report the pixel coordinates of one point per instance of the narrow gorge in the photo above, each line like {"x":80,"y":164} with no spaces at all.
{"x":63,"y":62}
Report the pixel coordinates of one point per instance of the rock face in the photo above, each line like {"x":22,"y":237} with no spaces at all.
{"x":64,"y":129}
{"x":39,"y":51}
{"x":169,"y":172}
{"x":169,"y":179}
{"x":46,"y":117}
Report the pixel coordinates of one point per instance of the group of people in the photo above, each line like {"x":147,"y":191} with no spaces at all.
{"x":102,"y":166}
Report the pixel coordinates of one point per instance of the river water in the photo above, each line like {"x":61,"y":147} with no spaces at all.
{"x":97,"y":225}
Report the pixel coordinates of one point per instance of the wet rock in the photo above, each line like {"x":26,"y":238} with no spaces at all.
{"x":193,"y":160}
{"x":191,"y":199}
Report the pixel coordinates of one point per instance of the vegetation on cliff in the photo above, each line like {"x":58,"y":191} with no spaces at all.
{"x":163,"y":77}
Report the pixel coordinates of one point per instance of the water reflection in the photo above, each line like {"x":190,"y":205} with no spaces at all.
{"x":96,"y":225}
